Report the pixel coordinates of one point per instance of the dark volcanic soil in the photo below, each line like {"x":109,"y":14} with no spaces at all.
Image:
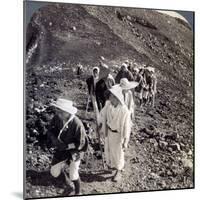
{"x":58,"y":38}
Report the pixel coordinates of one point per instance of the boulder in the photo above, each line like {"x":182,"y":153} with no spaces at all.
{"x":187,"y":163}
{"x":154,"y":142}
{"x":154,"y":176}
{"x":175,"y":147}
{"x":163,"y":145}
{"x":171,"y":136}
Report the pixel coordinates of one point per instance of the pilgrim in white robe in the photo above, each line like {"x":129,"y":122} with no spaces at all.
{"x":116,"y":125}
{"x":128,"y":100}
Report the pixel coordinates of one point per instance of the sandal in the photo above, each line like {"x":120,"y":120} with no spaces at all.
{"x":117,"y":177}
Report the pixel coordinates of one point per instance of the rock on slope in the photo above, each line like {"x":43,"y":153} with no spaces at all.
{"x":117,"y":33}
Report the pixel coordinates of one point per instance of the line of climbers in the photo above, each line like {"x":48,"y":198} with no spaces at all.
{"x":101,"y":81}
{"x":115,"y":102}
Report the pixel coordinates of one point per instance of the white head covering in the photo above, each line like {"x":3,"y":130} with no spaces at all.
{"x":151,"y":69}
{"x":125,"y":65}
{"x":136,"y":69}
{"x":127,"y":85}
{"x":117,"y":92}
{"x":97,"y":68}
{"x":79,"y":65}
{"x":127,"y":62}
{"x":65,"y":105}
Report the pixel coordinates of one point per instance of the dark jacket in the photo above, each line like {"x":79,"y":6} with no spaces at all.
{"x":101,"y":91}
{"x":123,"y":74}
{"x":74,"y":133}
{"x":141,"y":82}
{"x":90,"y":85}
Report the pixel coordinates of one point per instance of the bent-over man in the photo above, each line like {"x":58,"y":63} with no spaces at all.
{"x":68,"y":136}
{"x":91,"y":84}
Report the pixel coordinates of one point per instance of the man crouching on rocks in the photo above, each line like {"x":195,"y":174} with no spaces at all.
{"x":69,"y":138}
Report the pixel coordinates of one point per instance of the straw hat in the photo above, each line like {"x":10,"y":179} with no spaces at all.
{"x":127,"y":85}
{"x":65,"y":105}
{"x":117,"y":92}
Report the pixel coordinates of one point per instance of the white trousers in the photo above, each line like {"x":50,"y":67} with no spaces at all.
{"x":74,"y":169}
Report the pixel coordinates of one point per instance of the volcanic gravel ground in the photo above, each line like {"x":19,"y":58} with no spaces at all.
{"x":158,"y":156}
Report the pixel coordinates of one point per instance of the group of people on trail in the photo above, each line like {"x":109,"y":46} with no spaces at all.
{"x":114,"y":100}
{"x":146,"y":89}
{"x":116,"y":105}
{"x":101,"y":81}
{"x":98,"y":84}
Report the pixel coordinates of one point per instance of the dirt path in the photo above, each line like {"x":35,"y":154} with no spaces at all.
{"x":156,"y":167}
{"x":98,"y":180}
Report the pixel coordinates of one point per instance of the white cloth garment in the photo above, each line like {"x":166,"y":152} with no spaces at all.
{"x":73,"y":169}
{"x":57,"y":169}
{"x":128,"y":99}
{"x":116,"y":126}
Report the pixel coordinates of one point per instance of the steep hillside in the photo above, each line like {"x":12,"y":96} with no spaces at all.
{"x":59,"y":37}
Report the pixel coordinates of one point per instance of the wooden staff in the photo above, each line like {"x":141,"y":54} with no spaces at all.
{"x":96,"y":110}
{"x":87,"y":106}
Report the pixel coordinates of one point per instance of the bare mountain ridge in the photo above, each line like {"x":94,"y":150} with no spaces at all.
{"x":74,"y":33}
{"x":99,"y":31}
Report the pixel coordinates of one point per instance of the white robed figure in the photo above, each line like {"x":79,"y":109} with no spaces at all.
{"x":115,"y":125}
{"x":127,"y":87}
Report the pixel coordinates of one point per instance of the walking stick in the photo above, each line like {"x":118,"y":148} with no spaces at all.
{"x":89,"y":153}
{"x":94,"y":103}
{"x":153,"y":101}
{"x":87,"y":106}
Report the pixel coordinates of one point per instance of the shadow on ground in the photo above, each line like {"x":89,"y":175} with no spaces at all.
{"x":100,"y":176}
{"x":44,"y":178}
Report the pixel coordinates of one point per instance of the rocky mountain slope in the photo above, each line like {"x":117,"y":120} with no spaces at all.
{"x":59,"y":37}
